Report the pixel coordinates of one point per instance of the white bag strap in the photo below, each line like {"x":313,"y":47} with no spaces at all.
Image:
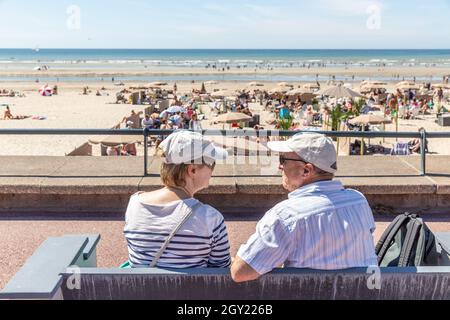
{"x":185,"y":218}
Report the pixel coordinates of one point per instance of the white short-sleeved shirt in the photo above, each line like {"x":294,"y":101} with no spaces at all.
{"x":202,"y":242}
{"x":321,"y":226}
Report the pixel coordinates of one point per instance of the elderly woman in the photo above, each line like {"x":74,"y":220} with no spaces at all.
{"x":200,"y":238}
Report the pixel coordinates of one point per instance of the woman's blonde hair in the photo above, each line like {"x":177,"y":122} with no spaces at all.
{"x":174,"y":175}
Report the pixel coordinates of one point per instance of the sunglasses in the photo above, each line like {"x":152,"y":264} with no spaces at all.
{"x":211,"y":166}
{"x":283,"y":160}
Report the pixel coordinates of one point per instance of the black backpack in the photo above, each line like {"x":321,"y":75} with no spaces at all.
{"x":408,"y":242}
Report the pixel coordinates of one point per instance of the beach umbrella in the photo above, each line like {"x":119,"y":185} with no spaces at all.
{"x":407,"y":87}
{"x":341,"y":92}
{"x":279,"y":90}
{"x":366,"y":119}
{"x":232,"y":117}
{"x":311,"y":86}
{"x":441,"y":85}
{"x":223,"y":93}
{"x":45,"y":91}
{"x":176,"y":109}
{"x":373,"y":86}
{"x":114,"y":141}
{"x":380,"y":83}
{"x":297,"y":92}
{"x":256,"y":84}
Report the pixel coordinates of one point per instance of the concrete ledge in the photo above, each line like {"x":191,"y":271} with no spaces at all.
{"x":86,"y":184}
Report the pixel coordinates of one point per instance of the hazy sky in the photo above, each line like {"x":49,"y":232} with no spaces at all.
{"x":225,"y":24}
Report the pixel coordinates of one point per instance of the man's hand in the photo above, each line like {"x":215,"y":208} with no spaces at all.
{"x":242,"y":272}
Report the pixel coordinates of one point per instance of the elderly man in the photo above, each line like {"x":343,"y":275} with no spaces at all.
{"x":321,"y":226}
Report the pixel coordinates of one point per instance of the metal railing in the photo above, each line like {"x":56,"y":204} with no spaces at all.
{"x":422,"y":135}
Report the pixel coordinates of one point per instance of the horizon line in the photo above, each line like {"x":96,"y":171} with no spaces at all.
{"x":359,"y":49}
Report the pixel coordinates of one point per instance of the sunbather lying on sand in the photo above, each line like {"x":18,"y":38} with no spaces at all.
{"x":9,"y":116}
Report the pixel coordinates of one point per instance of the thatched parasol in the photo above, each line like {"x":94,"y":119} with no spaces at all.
{"x":232,"y":117}
{"x":340,"y":92}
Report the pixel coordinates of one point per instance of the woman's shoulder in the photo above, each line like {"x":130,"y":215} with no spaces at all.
{"x":206,"y":210}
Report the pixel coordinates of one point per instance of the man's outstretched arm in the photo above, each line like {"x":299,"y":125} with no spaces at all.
{"x":242,"y":272}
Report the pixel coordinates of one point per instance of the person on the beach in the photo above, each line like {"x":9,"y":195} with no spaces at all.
{"x":201,"y":237}
{"x":147,"y":122}
{"x":284,"y":111}
{"x":7,"y":115}
{"x":321,"y":226}
{"x":113,"y":151}
{"x":134,"y":119}
{"x":415,"y":145}
{"x":195,"y":124}
{"x":309,"y":116}
{"x":165,"y":125}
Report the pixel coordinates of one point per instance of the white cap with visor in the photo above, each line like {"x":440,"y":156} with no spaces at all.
{"x":187,"y":147}
{"x":314,"y":148}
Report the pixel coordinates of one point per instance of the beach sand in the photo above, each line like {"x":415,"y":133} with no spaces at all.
{"x":72,"y":110}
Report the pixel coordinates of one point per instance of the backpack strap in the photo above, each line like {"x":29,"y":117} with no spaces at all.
{"x":389,"y":235}
{"x":189,"y":212}
{"x":410,"y":240}
{"x":423,"y":245}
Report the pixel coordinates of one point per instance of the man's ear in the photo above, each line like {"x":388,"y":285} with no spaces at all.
{"x":308,"y":169}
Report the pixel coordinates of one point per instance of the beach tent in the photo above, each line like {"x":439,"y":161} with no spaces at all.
{"x":114,"y":141}
{"x":45,"y":91}
{"x":340,"y":92}
{"x":256,"y":84}
{"x":157,"y":84}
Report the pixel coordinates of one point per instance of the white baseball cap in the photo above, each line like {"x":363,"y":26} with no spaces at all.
{"x":187,"y":147}
{"x":314,"y":148}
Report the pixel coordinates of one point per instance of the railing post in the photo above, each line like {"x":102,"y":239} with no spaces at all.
{"x":423,"y":145}
{"x":145,"y":152}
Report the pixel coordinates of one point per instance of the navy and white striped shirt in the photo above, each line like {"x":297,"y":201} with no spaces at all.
{"x":202,"y":242}
{"x":321,"y":226}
